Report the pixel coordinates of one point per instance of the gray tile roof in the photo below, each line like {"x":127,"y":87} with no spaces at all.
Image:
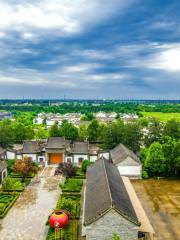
{"x":3,"y":165}
{"x":56,"y":143}
{"x":81,"y":147}
{"x":105,"y":190}
{"x":121,"y":152}
{"x":30,"y":147}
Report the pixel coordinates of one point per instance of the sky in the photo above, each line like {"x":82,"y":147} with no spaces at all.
{"x":90,"y":49}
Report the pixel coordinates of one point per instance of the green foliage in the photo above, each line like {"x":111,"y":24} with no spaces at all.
{"x":172,"y":129}
{"x":70,"y":203}
{"x":54,"y":131}
{"x":87,"y":117}
{"x":68,"y":130}
{"x":116,"y":237}
{"x":12,"y":184}
{"x":85,"y":165}
{"x":72,"y":185}
{"x":154,"y":163}
{"x":83,"y":133}
{"x":93,"y":130}
{"x":6,"y":202}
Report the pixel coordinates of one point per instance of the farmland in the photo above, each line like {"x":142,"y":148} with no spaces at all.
{"x":162,"y":116}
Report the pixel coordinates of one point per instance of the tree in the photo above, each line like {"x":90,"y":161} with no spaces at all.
{"x":67,"y":169}
{"x":83,"y":133}
{"x":85,"y":165}
{"x":155,"y":132}
{"x":6,"y":134}
{"x":25,"y":167}
{"x":54,"y":131}
{"x":155,"y":161}
{"x":93,"y":130}
{"x":41,"y":133}
{"x":132,"y":136}
{"x":172,"y":129}
{"x":68,"y":130}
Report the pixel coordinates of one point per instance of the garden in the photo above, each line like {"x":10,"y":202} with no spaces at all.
{"x":70,"y":201}
{"x":6,"y":202}
{"x":20,"y":173}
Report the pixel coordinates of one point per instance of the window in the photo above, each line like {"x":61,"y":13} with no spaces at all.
{"x":41,"y":159}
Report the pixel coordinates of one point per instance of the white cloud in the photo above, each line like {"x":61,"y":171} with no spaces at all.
{"x":164,"y":57}
{"x":65,"y":16}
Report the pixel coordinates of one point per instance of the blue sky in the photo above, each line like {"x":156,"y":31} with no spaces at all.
{"x":90,"y":49}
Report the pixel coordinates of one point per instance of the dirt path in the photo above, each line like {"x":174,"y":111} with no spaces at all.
{"x":161,"y":201}
{"x":26,"y":220}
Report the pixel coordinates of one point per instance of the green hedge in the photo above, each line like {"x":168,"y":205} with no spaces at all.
{"x":72,"y":185}
{"x":71,"y":203}
{"x":6,"y":202}
{"x":70,"y":232}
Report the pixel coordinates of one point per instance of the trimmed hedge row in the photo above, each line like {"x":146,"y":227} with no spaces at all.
{"x":6,"y":202}
{"x":72,"y":185}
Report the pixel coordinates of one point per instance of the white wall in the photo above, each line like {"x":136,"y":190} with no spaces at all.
{"x":130,"y":171}
{"x":93,"y":158}
{"x":10,"y":155}
{"x":77,"y":156}
{"x":19,"y":156}
{"x":32,"y":156}
{"x":105,"y":154}
{"x":66,"y":157}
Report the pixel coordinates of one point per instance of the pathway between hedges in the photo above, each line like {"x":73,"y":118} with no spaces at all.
{"x":27,"y":218}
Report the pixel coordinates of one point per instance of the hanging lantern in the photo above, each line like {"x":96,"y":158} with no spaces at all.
{"x":58,"y":219}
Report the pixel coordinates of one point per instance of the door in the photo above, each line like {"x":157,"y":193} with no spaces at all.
{"x":56,"y":158}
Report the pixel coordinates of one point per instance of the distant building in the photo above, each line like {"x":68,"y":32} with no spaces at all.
{"x":106,"y":117}
{"x":107,"y":206}
{"x":126,"y":161}
{"x":5,"y":115}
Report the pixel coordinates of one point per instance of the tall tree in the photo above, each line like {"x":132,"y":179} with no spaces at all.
{"x":54,"y":131}
{"x":155,"y":161}
{"x":93,"y":130}
{"x":68,"y":130}
{"x":172,"y":129}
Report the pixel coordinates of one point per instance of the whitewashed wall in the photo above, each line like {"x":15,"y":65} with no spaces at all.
{"x":32,"y":156}
{"x":10,"y":155}
{"x":130,"y":171}
{"x":93,"y":158}
{"x":77,"y":156}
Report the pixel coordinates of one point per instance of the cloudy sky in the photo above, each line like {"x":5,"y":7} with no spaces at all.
{"x":90,"y":49}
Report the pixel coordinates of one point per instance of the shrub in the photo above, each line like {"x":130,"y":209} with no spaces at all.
{"x":12,"y":184}
{"x":145,"y":175}
{"x":85,"y":165}
{"x":72,"y":185}
{"x":67,"y":169}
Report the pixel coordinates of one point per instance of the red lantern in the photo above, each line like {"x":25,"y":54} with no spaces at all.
{"x":58,"y":219}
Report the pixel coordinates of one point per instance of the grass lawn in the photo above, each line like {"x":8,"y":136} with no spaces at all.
{"x":6,"y":202}
{"x":162,"y":116}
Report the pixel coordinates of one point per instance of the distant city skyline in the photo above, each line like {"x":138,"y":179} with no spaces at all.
{"x":94,"y":49}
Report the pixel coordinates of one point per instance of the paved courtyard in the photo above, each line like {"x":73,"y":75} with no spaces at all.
{"x":28,"y":216}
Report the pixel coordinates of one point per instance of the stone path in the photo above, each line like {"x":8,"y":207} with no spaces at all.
{"x":27,"y":218}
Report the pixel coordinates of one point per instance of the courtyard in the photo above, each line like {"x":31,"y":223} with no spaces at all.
{"x":161,"y":201}
{"x":27,"y":218}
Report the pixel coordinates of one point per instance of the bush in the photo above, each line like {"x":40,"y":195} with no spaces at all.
{"x":6,"y":202}
{"x":145,"y":175}
{"x":70,"y":203}
{"x":72,"y":185}
{"x":85,"y":165}
{"x":12,"y":184}
{"x":67,"y":169}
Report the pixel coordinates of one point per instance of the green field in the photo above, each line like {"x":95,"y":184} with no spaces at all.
{"x":162,"y":116}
